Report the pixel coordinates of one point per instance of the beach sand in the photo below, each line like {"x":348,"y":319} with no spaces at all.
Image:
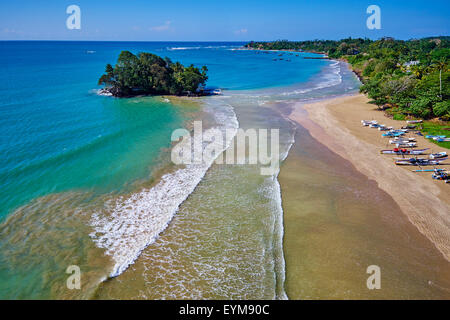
{"x":346,"y":207}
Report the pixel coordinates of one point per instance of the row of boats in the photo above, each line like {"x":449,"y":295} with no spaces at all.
{"x":406,"y":148}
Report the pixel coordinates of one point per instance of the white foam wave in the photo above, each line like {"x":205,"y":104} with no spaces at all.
{"x":101,"y":92}
{"x":330,"y":79}
{"x":184,"y":48}
{"x":135,"y":222}
{"x":199,"y":47}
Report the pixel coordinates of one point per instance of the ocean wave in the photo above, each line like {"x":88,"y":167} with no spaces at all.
{"x":129,"y":224}
{"x":101,"y":92}
{"x":183,"y":48}
{"x":330,"y":79}
{"x":199,"y":47}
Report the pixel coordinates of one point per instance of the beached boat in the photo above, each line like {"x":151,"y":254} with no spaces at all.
{"x":404,"y":139}
{"x":406,"y":145}
{"x":401,"y":140}
{"x":367,"y":123}
{"x":429,"y":170}
{"x":409,"y":127}
{"x":393,"y":134}
{"x":418,"y":162}
{"x":420,"y":159}
{"x":438,"y":155}
{"x":441,"y":175}
{"x":414,"y":121}
{"x":404,"y":151}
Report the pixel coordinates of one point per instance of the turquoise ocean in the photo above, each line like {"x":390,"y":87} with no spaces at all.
{"x":86,"y":179}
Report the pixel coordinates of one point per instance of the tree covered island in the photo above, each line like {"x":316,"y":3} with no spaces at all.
{"x":149,"y":74}
{"x":409,"y":78}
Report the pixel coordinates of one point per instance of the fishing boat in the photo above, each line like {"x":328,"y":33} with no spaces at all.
{"x":418,"y":162}
{"x":403,"y":151}
{"x":420,"y":159}
{"x":366,"y":123}
{"x":435,"y":137}
{"x":438,"y":155}
{"x":402,"y":141}
{"x":414,"y":121}
{"x":393,"y":134}
{"x":429,"y":170}
{"x":406,"y":145}
{"x":442,"y":139}
{"x":441,"y":175}
{"x":410,"y":139}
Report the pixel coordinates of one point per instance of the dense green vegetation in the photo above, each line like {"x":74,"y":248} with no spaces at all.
{"x":147,"y":73}
{"x":436,"y":129}
{"x":412,"y":77}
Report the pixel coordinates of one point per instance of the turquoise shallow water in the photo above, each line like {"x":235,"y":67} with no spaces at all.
{"x":69,"y":154}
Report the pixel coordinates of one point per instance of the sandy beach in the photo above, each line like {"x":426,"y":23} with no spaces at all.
{"x":346,"y":207}
{"x":336,"y":123}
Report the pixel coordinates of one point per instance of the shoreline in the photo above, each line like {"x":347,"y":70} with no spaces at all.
{"x":336,"y":123}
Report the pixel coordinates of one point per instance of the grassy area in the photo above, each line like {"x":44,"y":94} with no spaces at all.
{"x":395,"y":113}
{"x":436,"y":129}
{"x":433,"y":128}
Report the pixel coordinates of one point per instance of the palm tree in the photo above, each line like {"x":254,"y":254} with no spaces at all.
{"x":440,"y":65}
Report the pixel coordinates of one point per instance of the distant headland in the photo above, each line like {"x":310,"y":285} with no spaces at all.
{"x":405,"y":78}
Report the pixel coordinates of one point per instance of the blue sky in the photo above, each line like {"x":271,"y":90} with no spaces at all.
{"x":228,"y":20}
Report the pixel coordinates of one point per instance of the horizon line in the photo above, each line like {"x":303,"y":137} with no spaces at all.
{"x":317,"y":39}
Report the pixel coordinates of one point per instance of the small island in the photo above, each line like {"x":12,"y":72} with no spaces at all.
{"x":149,"y":74}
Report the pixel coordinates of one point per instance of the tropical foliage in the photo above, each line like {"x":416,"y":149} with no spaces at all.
{"x":147,"y":73}
{"x":410,"y":77}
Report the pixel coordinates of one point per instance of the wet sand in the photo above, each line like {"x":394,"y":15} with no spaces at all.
{"x":341,"y":215}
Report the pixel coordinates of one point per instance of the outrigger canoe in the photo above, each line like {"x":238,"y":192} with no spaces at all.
{"x":366,"y":123}
{"x":420,"y":159}
{"x":418,"y":162}
{"x":414,"y":121}
{"x":429,"y":170}
{"x":438,"y":155}
{"x":392,"y":134}
{"x":404,"y":151}
{"x":441,"y":175}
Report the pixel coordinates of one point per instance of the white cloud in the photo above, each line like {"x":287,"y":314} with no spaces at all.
{"x":164,"y":27}
{"x":241,"y":31}
{"x":7,"y":30}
